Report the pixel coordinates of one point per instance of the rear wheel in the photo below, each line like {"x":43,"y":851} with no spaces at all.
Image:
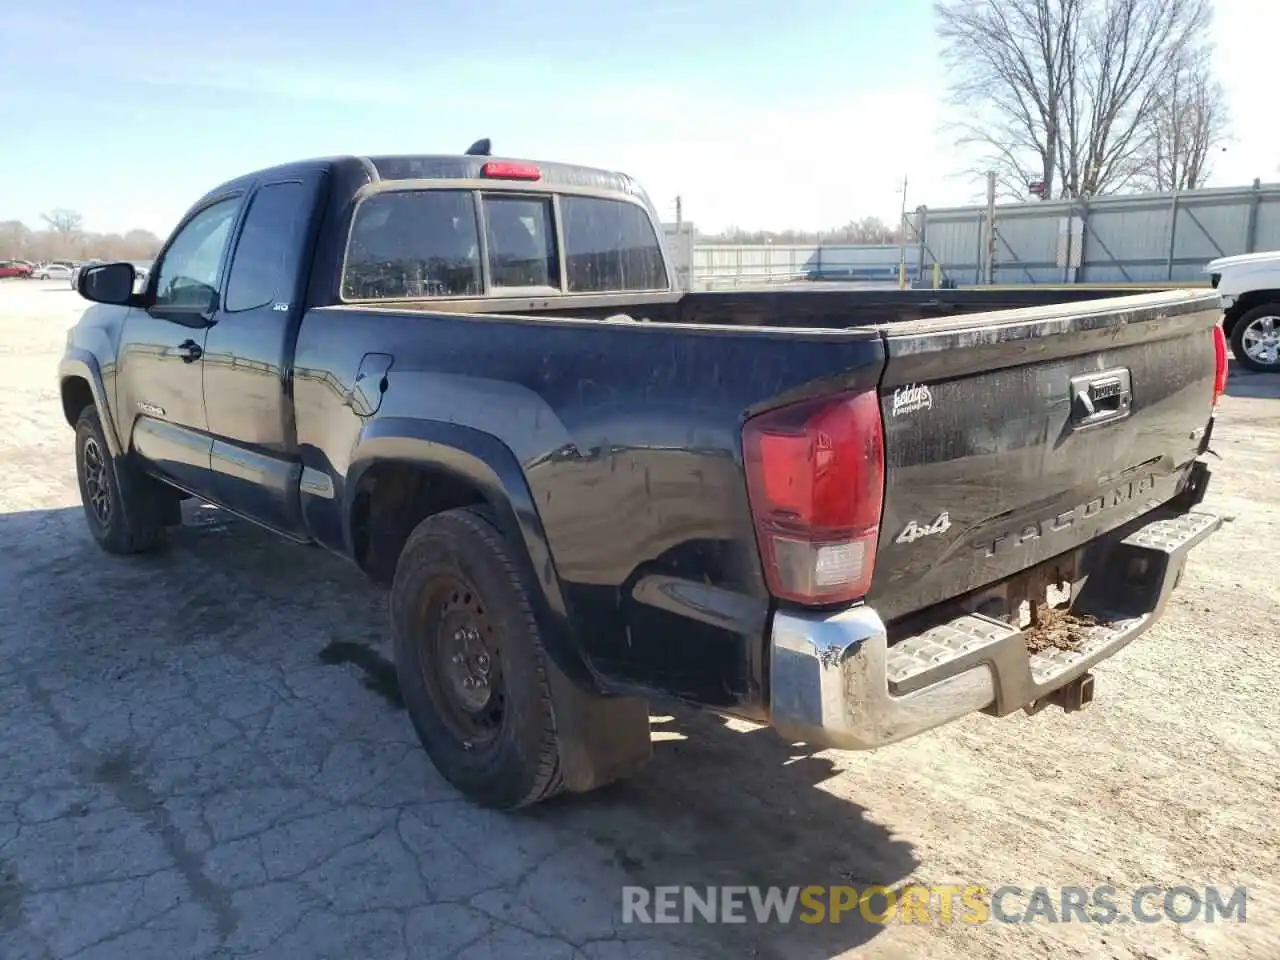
{"x":471,"y":664}
{"x":1255,"y":339}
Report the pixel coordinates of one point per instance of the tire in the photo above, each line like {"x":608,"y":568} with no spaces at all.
{"x":460,"y":613}
{"x":1241,"y":327}
{"x":124,"y":507}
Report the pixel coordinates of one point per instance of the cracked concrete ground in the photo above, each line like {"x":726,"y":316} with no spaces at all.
{"x":202,"y":755}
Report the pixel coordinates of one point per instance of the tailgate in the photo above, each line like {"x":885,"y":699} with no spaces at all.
{"x":1012,"y":437}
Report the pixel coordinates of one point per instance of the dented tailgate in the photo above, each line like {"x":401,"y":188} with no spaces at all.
{"x":1012,"y":437}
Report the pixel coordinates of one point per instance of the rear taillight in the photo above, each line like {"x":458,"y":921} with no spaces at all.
{"x":1220,"y":356}
{"x":815,"y":479}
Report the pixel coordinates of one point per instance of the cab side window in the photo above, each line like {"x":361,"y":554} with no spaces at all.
{"x":413,"y":243}
{"x":267,"y":255}
{"x":189,"y":273}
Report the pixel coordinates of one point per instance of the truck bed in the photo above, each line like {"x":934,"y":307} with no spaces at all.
{"x":814,"y":306}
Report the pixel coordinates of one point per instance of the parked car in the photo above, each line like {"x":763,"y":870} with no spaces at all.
{"x":1249,"y":286}
{"x":14,"y":268}
{"x":835,"y":511}
{"x":56,"y":270}
{"x":142,"y":270}
{"x":75,"y":271}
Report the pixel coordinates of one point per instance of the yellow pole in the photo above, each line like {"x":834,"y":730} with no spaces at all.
{"x":937,"y":275}
{"x":902,"y":275}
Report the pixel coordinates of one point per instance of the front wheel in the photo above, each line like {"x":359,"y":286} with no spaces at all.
{"x":125,"y":509}
{"x":1255,"y":339}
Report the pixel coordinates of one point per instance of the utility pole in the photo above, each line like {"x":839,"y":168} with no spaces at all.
{"x":991,"y":227}
{"x":902,"y":238}
{"x":679,"y":211}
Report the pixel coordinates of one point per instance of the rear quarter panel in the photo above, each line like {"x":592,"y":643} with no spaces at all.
{"x":628,"y":436}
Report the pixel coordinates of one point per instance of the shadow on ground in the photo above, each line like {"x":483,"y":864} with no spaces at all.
{"x":716,"y":807}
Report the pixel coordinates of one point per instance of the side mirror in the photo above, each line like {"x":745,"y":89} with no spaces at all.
{"x":107,"y":283}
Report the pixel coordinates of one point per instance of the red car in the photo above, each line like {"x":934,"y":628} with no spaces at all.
{"x":14,"y":268}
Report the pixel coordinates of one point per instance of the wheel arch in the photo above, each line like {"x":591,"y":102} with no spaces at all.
{"x":80,"y":385}
{"x":404,"y":470}
{"x":1246,"y":302}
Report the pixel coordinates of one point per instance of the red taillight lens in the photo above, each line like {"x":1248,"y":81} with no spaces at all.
{"x":1220,"y":355}
{"x":504,"y":170}
{"x":815,"y":479}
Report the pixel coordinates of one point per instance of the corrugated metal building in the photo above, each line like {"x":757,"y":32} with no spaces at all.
{"x":1142,"y":238}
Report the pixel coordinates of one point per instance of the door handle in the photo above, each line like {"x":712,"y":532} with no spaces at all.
{"x":190,"y":351}
{"x":1100,"y":398}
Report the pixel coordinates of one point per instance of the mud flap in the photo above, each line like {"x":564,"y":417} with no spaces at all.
{"x":602,"y":739}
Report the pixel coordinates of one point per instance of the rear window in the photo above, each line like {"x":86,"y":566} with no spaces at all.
{"x":421,"y":243}
{"x":610,"y":245}
{"x":521,"y":240}
{"x":409,"y":244}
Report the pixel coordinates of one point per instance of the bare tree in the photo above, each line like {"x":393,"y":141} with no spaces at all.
{"x":1186,"y":126}
{"x":64,"y":238}
{"x":65,"y":223}
{"x":1058,"y":91}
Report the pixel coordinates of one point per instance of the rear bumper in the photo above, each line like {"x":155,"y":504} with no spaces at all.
{"x":836,"y":682}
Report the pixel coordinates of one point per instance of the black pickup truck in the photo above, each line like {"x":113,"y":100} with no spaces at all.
{"x":852,"y":514}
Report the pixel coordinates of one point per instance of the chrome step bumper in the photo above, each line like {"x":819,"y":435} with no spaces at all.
{"x":836,"y":682}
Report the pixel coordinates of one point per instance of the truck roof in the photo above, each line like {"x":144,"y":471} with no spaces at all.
{"x":393,"y":167}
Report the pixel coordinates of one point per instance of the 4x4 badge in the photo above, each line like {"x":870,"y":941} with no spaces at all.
{"x":914,"y":531}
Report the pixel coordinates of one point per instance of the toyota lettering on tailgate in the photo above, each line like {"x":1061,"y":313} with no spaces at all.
{"x":1036,"y":529}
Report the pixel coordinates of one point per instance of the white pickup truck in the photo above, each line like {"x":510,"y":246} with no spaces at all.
{"x":1249,"y":285}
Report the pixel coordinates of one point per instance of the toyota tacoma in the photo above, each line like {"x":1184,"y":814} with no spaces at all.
{"x":854,"y":515}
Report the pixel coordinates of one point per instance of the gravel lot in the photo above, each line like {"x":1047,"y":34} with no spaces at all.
{"x":202,"y":755}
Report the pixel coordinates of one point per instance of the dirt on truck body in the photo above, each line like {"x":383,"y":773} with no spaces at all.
{"x":815,"y":509}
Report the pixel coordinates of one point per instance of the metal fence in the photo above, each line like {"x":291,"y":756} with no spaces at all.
{"x":721,"y":265}
{"x":1143,"y":238}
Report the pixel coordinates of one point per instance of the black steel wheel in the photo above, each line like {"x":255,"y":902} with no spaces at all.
{"x":471,"y":664}
{"x":460,"y":662}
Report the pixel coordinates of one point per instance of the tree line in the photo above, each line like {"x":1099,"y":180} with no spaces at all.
{"x":63,"y":237}
{"x":868,"y":230}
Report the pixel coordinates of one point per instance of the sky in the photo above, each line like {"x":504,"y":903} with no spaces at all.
{"x":758,"y":113}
